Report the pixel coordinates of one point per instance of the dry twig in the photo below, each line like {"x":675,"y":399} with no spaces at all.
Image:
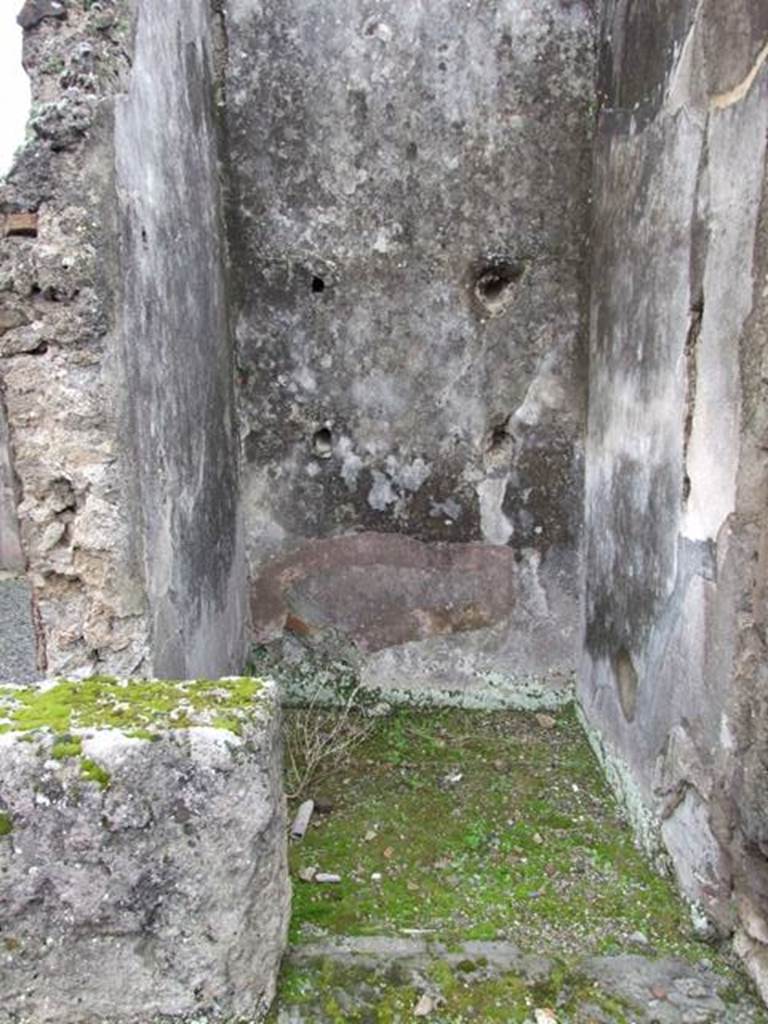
{"x":317,"y":739}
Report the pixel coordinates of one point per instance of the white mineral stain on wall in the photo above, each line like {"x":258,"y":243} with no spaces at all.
{"x":736,"y":160}
{"x":495,"y":526}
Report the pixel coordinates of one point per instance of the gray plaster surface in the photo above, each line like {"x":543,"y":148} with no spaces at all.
{"x":18,"y":644}
{"x":673,"y":677}
{"x":408,"y":210}
{"x":175,"y":347}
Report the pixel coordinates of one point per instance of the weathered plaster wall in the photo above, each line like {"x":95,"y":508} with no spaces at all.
{"x":403,"y":270}
{"x":673,"y":680}
{"x":175,"y":348}
{"x":116,"y":365}
{"x":408,"y":211}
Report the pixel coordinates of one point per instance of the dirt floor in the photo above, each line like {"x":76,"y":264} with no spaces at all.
{"x":485,"y":874}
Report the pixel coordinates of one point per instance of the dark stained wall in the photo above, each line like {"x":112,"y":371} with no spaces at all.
{"x":175,"y":347}
{"x":674,"y":674}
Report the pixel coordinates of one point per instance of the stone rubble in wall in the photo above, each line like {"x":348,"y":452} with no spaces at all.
{"x":55,"y":344}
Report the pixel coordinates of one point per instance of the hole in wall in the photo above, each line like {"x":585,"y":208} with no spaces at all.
{"x":374,"y":27}
{"x":495,"y":282}
{"x":491,"y":287}
{"x":61,"y":494}
{"x":498,"y":435}
{"x":318,"y":284}
{"x":626,"y":682}
{"x":322,"y":443}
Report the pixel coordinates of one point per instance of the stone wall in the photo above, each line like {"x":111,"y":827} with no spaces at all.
{"x":409,"y":199}
{"x":116,"y":363}
{"x":58,"y":274}
{"x":674,"y":673}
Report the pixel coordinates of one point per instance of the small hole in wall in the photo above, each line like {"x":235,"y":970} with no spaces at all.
{"x":490,"y":286}
{"x":322,"y":443}
{"x":626,"y":682}
{"x":494,"y":283}
{"x":318,"y":284}
{"x":499,"y":435}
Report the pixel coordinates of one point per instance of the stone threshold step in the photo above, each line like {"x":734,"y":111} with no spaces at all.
{"x":363,"y":977}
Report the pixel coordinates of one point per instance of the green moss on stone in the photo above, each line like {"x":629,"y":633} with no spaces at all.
{"x":66,"y":746}
{"x":6,"y":824}
{"x":139,"y":708}
{"x":350,"y":993}
{"x":93,"y":772}
{"x":459,"y":825}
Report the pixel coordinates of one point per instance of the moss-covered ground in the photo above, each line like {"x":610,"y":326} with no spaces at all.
{"x":457,"y":825}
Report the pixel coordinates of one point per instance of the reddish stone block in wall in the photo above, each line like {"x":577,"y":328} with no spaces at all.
{"x":382,"y":590}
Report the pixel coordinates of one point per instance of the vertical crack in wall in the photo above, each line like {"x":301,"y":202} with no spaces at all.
{"x":700,"y":230}
{"x":220,"y":54}
{"x":691,"y":354}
